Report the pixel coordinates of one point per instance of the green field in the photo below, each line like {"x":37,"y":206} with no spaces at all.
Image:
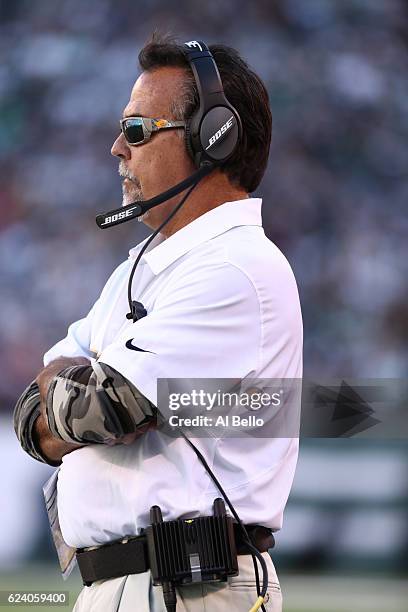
{"x":302,"y":593}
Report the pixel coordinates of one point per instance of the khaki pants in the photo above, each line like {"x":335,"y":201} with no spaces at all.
{"x":135,"y":593}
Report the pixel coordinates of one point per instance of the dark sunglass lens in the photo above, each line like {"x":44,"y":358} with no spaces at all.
{"x":133,"y":130}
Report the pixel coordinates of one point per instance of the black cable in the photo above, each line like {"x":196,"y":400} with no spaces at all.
{"x":258,"y":590}
{"x":132,"y":305}
{"x":256,"y":575}
{"x":169,"y":593}
{"x":254,"y":551}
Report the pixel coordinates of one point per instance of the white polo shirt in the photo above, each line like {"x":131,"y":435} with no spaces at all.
{"x":221,"y":302}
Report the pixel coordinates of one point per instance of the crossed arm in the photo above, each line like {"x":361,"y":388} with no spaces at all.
{"x":72,"y":404}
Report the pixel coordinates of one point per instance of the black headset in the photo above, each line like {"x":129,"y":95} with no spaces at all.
{"x":214,"y":130}
{"x":212,"y":134}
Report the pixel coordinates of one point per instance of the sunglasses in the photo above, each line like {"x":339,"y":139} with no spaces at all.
{"x":138,"y":130}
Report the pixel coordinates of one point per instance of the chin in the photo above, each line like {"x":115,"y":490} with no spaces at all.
{"x":128,"y":197}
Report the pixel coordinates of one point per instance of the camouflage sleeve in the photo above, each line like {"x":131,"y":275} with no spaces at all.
{"x":95,"y":404}
{"x":25,"y":413}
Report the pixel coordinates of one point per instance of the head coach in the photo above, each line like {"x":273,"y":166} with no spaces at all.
{"x":207,"y":295}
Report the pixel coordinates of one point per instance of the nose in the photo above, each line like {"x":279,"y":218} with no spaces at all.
{"x":120,"y":148}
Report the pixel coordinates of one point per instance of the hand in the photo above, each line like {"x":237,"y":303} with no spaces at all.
{"x":46,"y":375}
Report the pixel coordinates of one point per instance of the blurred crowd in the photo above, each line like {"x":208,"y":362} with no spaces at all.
{"x":335,"y":192}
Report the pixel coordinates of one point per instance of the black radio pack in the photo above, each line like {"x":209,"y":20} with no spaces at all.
{"x":193,"y":550}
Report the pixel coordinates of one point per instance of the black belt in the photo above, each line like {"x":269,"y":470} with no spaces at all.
{"x":131,"y":557}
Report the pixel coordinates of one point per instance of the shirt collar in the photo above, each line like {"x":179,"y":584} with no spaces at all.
{"x":162,"y":252}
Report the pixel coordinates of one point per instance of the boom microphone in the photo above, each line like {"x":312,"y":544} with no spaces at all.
{"x":136,"y":209}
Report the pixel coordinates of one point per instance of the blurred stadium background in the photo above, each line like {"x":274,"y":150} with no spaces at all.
{"x":335,"y":196}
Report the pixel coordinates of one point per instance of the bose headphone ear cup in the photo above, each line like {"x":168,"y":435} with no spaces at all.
{"x":215,"y":137}
{"x":220,"y":132}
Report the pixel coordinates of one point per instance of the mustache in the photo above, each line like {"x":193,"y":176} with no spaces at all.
{"x":125,"y":173}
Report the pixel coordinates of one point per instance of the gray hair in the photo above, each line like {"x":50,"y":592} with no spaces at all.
{"x":182,"y":106}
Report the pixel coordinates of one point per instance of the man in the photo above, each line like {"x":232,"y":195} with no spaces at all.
{"x":220,"y":300}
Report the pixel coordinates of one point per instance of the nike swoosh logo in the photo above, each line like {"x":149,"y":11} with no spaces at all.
{"x":131,"y":346}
